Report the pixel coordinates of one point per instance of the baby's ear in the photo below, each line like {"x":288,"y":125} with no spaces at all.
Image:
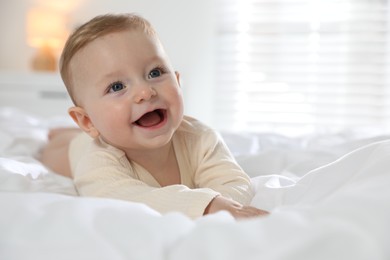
{"x":178,"y":77}
{"x":82,"y":119}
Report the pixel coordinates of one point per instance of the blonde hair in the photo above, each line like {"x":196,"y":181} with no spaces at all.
{"x":99,"y":26}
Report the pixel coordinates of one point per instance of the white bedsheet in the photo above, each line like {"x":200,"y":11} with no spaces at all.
{"x":337,"y":211}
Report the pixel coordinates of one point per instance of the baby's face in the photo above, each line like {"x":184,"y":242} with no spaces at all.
{"x":128,"y":90}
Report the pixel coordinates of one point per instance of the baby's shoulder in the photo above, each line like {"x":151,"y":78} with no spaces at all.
{"x":192,"y":126}
{"x":195,"y":131}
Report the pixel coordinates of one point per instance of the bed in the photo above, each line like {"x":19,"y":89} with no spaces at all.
{"x":328,"y":196}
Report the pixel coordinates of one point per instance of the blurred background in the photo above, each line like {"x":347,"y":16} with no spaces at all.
{"x":186,"y":29}
{"x":282,"y":66}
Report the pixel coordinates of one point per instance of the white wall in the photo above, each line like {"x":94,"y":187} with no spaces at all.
{"x":186,"y":29}
{"x":14,"y":52}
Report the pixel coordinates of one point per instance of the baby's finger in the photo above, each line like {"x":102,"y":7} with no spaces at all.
{"x":250,"y":212}
{"x":256,"y":211}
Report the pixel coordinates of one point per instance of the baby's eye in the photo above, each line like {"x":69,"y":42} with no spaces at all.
{"x":154,"y":73}
{"x":116,"y":86}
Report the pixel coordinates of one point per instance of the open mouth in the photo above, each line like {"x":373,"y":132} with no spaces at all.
{"x":152,"y":118}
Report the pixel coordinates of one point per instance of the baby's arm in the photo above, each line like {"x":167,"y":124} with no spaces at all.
{"x":219,"y":171}
{"x":108,"y":178}
{"x":105,"y":174}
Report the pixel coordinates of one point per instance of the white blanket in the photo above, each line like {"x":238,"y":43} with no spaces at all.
{"x":337,"y":211}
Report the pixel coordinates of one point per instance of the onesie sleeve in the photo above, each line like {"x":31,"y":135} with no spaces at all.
{"x":218,"y":170}
{"x":102,"y":173}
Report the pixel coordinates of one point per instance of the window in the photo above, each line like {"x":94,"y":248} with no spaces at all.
{"x":295,"y":66}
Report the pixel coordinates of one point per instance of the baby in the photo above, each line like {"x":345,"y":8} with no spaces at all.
{"x":135,"y":143}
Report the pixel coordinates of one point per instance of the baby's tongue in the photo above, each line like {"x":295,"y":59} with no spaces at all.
{"x":149,"y":119}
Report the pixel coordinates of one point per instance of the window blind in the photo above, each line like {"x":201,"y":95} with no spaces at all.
{"x":296,"y":66}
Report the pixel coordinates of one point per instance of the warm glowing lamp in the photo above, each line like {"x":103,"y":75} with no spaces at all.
{"x":46,"y":31}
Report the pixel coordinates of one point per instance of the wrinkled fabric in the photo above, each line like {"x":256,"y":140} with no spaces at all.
{"x":337,"y":210}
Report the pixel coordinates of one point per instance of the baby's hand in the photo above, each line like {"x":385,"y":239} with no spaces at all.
{"x":236,"y":209}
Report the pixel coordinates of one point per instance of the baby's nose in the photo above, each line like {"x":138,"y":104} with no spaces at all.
{"x":144,"y":93}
